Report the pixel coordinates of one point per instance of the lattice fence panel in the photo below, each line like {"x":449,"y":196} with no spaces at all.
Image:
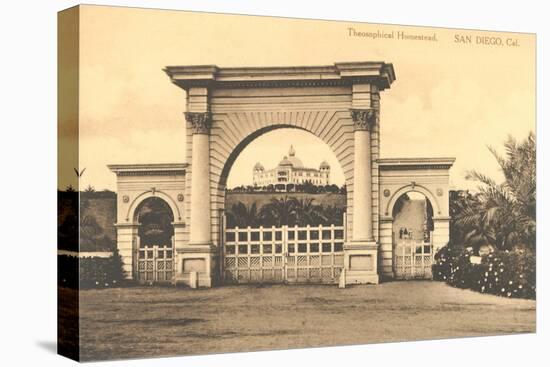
{"x":154,"y":264}
{"x":413,"y":259}
{"x":283,"y":254}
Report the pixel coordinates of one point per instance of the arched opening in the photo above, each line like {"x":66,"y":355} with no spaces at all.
{"x":269,"y":137}
{"x":285,"y":206}
{"x":412,"y":234}
{"x":303,"y":169}
{"x":155,"y":240}
{"x":155,"y":218}
{"x":413,"y":217}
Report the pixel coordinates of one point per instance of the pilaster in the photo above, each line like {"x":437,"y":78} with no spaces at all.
{"x":127,"y":243}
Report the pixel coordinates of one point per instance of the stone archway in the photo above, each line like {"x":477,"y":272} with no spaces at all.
{"x":137,"y":183}
{"x":228,"y":106}
{"x":398,"y":176}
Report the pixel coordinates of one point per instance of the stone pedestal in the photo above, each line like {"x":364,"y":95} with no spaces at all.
{"x":360,"y":262}
{"x":196,"y":266}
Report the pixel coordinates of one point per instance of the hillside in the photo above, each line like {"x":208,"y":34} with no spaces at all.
{"x":97,"y":221}
{"x":326,"y":199}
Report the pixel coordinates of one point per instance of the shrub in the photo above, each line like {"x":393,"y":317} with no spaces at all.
{"x":95,"y":272}
{"x":503,"y":273}
{"x":67,"y":271}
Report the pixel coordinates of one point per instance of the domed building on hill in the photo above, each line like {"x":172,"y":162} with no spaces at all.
{"x":291,"y":170}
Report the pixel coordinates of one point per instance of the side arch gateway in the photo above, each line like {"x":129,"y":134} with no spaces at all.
{"x":227,"y":108}
{"x":399,"y":176}
{"x":137,"y":183}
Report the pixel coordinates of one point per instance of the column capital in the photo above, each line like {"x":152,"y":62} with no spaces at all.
{"x":199,"y":121}
{"x":363,"y":119}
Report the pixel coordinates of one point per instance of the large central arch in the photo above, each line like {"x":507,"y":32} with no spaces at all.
{"x":228,"y":107}
{"x":340,"y":141}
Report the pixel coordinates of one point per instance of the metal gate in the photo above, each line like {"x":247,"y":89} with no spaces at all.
{"x":283,"y":254}
{"x":412,"y":259}
{"x":155,"y":264}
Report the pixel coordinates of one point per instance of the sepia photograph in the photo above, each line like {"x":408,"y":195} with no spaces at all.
{"x":235,"y":183}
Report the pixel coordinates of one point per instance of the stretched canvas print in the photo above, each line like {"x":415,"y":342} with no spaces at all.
{"x":232,"y":183}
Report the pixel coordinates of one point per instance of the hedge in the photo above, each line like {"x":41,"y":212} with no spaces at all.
{"x":504,"y":273}
{"x":95,"y":272}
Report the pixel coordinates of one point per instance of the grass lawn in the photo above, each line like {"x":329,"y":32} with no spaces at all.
{"x":163,"y":321}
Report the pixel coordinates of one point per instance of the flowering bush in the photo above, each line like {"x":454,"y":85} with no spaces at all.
{"x":95,"y":272}
{"x":503,"y":273}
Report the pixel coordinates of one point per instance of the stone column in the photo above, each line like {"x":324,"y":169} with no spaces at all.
{"x":200,"y":221}
{"x":361,"y":252}
{"x":363,"y":120}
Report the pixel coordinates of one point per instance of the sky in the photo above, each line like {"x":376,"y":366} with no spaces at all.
{"x":268,"y":150}
{"x":449,"y":99}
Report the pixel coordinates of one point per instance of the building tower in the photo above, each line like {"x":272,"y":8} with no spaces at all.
{"x":324,"y":170}
{"x":257,"y":173}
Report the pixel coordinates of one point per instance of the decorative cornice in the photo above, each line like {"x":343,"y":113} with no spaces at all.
{"x":403,"y":164}
{"x":415,"y":167}
{"x":199,"y":121}
{"x":376,"y":73}
{"x":148,"y":169}
{"x":363,"y":119}
{"x":152,"y":173}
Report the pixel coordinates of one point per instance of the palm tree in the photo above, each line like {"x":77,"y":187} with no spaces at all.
{"x":90,"y":188}
{"x":506,"y":214}
{"x":279,"y":212}
{"x":477,"y":229}
{"x":70,"y":188}
{"x":242,"y":216}
{"x":305,"y":212}
{"x":330,"y":214}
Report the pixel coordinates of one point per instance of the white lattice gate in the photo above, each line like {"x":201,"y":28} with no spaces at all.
{"x":412,"y":259}
{"x":283,"y":254}
{"x":155,"y":264}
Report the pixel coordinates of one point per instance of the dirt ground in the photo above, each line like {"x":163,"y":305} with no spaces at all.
{"x":163,"y":321}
